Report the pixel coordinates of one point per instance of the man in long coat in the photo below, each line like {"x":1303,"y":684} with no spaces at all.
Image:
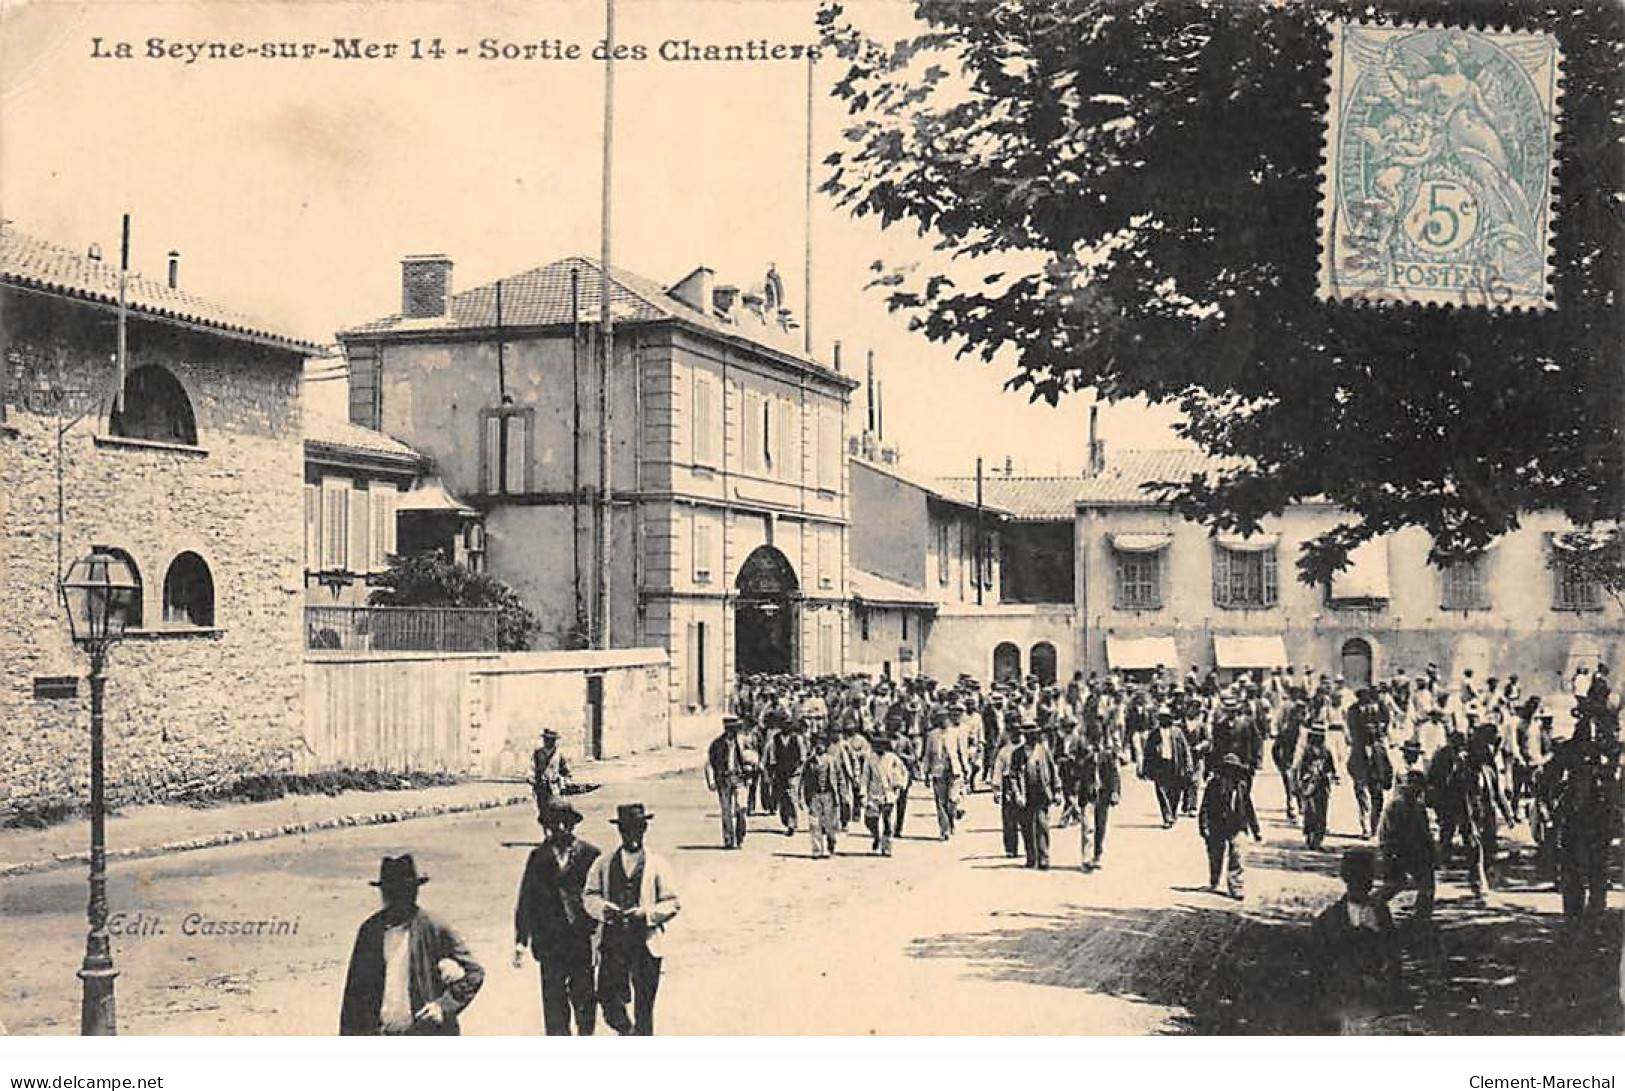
{"x":409,"y":973}
{"x":551,"y":922}
{"x":1167,"y":765}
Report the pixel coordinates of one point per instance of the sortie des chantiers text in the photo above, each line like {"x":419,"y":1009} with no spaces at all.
{"x":182,"y":51}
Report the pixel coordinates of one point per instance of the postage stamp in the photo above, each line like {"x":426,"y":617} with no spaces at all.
{"x":1440,"y":147}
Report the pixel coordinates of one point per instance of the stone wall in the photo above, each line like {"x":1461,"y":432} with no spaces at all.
{"x":185,"y":707}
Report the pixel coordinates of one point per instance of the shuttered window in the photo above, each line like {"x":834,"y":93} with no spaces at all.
{"x":789,"y":445}
{"x":382,"y":515}
{"x":505,"y":450}
{"x":1462,"y":585}
{"x":313,"y":528}
{"x":360,"y":539}
{"x":829,"y":449}
{"x":1245,"y":579}
{"x":702,"y":549}
{"x":335,"y":524}
{"x":703,"y":422}
{"x":753,"y":432}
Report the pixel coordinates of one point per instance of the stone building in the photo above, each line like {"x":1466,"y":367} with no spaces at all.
{"x":193,"y":480}
{"x":728,"y":512}
{"x":1157,"y":589}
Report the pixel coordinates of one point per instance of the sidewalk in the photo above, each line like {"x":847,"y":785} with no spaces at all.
{"x":162,"y":828}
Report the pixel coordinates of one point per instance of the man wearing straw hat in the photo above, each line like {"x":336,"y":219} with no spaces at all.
{"x":409,"y":973}
{"x":631,"y":891}
{"x":552,"y":922}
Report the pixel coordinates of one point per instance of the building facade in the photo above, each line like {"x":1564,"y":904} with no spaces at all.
{"x":1157,"y":589}
{"x":727,"y":508}
{"x":192,"y":480}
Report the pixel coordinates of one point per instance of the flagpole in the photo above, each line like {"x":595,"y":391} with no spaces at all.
{"x":807,"y":278}
{"x":123,"y":310}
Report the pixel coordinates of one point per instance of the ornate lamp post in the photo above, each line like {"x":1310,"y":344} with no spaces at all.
{"x":98,"y":593}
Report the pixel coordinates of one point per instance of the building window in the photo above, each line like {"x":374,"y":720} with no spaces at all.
{"x":788,"y":450}
{"x":189,"y":593}
{"x":704,"y":420}
{"x":702,"y":549}
{"x":313,"y":527}
{"x":863,"y":625}
{"x":905,"y":624}
{"x":1139,"y":580}
{"x":155,"y":408}
{"x":1462,"y":585}
{"x":335,"y":525}
{"x":1244,"y":579}
{"x":1574,"y":587}
{"x":505,"y":453}
{"x":753,"y":431}
{"x":381,"y":524}
{"x":829,"y":449}
{"x":829,"y":546}
{"x":474,"y":547}
{"x":132,"y":617}
{"x":942,"y":552}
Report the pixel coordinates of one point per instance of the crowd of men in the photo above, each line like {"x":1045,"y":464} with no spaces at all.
{"x":1435,"y":767}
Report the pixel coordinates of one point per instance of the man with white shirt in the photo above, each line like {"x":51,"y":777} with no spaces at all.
{"x":409,"y":973}
{"x":631,"y":891}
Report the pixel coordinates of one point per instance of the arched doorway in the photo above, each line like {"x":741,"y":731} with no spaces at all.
{"x":1041,"y":662}
{"x":1007,"y":663}
{"x":1357,"y":663}
{"x":765,"y":614}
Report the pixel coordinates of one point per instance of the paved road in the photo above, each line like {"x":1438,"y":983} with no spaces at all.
{"x":939,"y":938}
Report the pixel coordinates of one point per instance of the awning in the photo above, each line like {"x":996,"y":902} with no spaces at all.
{"x":1141,"y":653}
{"x":1366,"y":576}
{"x":1140,"y":543}
{"x":1248,"y":652}
{"x":1256,"y":544}
{"x":432,"y":496}
{"x":1584,"y":541}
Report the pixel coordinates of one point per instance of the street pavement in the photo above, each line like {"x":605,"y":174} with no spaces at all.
{"x":940,"y":938}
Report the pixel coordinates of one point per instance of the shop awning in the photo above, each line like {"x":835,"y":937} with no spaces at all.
{"x":1141,"y":653}
{"x":1256,"y":544}
{"x":1366,"y":577}
{"x":1140,"y":543}
{"x":1248,"y":652}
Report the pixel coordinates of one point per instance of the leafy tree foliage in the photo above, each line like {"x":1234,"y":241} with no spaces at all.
{"x":1142,"y":180}
{"x":428,"y":579}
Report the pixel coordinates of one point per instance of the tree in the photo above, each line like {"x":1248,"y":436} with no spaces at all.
{"x":1142,"y":181}
{"x":429,"y":580}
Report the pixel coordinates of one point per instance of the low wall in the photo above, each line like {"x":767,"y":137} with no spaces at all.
{"x":478,"y":713}
{"x":961,"y":639}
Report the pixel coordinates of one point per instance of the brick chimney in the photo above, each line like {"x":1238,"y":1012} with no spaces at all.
{"x":695,"y":290}
{"x":724,"y":297}
{"x":1097,"y":446}
{"x":174,"y":268}
{"x":425,"y":285}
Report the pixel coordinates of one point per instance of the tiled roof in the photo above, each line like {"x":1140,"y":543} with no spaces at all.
{"x":541,"y":297}
{"x":1128,"y":473}
{"x":877,"y":589}
{"x":1029,"y":499}
{"x":31,"y":262}
{"x":333,"y":432}
{"x":1124,"y":481}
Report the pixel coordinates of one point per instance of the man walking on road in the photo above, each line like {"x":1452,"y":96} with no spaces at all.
{"x":784,"y":761}
{"x":1405,"y":840}
{"x":822,"y":789}
{"x":1041,"y":783}
{"x":550,"y":774}
{"x":728,"y":768}
{"x":1098,"y":789}
{"x":552,"y":923}
{"x":1225,"y":813}
{"x":942,"y":766}
{"x":409,"y":973}
{"x":632,"y":892}
{"x":884,"y":776}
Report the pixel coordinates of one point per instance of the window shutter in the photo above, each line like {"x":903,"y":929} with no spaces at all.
{"x":491,"y":458}
{"x":383,"y":527}
{"x":335,"y":524}
{"x":1272,"y":587}
{"x":753,"y":431}
{"x":787,"y":439}
{"x":360,"y":540}
{"x":514,"y":459}
{"x":693,"y":657}
{"x":1221,"y":576}
{"x":313,"y":528}
{"x":829,"y":453}
{"x":704,"y":392}
{"x":702,"y":549}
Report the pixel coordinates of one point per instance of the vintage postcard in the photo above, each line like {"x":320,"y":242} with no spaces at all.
{"x":691,"y":518}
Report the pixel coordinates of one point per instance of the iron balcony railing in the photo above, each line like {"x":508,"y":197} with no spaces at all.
{"x":400,"y":629}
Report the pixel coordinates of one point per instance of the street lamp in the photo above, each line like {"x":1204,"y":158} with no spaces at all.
{"x":98,"y":593}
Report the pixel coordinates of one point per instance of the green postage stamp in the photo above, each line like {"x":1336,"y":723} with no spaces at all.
{"x":1440,"y":154}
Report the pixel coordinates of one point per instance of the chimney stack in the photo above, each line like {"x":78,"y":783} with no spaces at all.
{"x":723,"y":298}
{"x":174,"y":268}
{"x":696,"y":290}
{"x":95,"y":252}
{"x":837,"y":355}
{"x":1097,"y":446}
{"x":1009,"y":466}
{"x":425,"y":285}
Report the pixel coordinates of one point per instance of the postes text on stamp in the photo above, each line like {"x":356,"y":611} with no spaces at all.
{"x":1439,"y":165}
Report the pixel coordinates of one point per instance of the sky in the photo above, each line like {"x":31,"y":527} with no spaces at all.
{"x":292,"y":188}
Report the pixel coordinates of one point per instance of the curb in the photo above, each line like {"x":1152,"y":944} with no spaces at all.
{"x":267,"y":833}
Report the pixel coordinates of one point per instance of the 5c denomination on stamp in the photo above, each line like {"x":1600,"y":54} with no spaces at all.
{"x":1440,"y":145}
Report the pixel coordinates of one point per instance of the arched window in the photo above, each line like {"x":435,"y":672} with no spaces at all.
{"x":155,"y":407}
{"x":132,"y":619}
{"x":1041,"y":662}
{"x":189,"y":593}
{"x":1356,"y":660}
{"x":1007,"y":663}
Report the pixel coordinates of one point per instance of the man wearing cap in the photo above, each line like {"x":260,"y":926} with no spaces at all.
{"x":943,"y":767}
{"x":1167,"y":765}
{"x":728,"y":767}
{"x":884,"y":776}
{"x":1405,"y":840}
{"x":1041,"y":787}
{"x":1098,"y":788}
{"x":1315,"y":775}
{"x":549,"y":772}
{"x":631,"y":891}
{"x":1226,"y":812}
{"x":822,"y":789}
{"x":551,"y":922}
{"x":786,"y":755}
{"x":409,"y":973}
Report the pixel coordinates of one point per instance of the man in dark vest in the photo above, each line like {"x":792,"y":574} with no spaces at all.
{"x":729,"y":767}
{"x":632,"y":892}
{"x":1098,"y":790}
{"x":552,"y":923}
{"x":409,"y":973}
